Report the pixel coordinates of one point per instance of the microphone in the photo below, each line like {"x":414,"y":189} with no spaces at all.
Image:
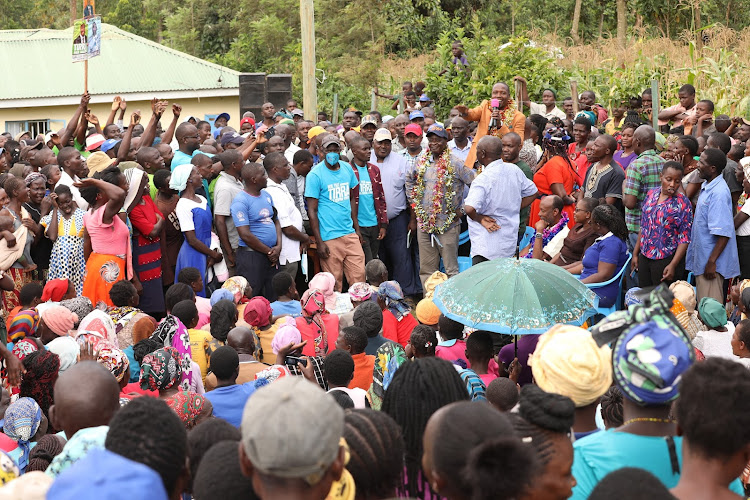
{"x":495,"y":103}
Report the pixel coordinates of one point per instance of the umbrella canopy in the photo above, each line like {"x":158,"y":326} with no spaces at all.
{"x":515,"y":296}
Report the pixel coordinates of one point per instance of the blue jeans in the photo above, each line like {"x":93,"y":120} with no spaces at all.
{"x":402,"y":262}
{"x":631,"y":281}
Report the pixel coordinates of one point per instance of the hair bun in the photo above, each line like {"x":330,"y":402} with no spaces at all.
{"x":546,"y":410}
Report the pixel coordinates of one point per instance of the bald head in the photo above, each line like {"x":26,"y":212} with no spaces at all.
{"x":251,"y":171}
{"x":489,"y":149}
{"x":644,"y":138}
{"x":184,"y":130}
{"x":86,"y":395}
{"x":241,"y":340}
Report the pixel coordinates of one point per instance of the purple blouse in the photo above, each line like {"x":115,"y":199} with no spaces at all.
{"x":664,"y":225}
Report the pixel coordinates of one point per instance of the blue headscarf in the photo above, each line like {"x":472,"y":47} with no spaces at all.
{"x":390,"y":292}
{"x":22,"y":420}
{"x":180,"y":176}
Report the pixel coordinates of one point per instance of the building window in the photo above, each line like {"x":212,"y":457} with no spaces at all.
{"x":36,"y":127}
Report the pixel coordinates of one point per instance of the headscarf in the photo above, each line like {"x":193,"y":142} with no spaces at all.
{"x":187,"y":406}
{"x":286,"y":334}
{"x":8,"y":468}
{"x":33,"y":176}
{"x":67,"y":349}
{"x":81,"y":306}
{"x":114,"y":360}
{"x":313,"y":306}
{"x":160,"y":369}
{"x":176,"y":335}
{"x":22,"y":420}
{"x":688,"y":321}
{"x":427,"y":312}
{"x":649,"y":360}
{"x":59,"y":319}
{"x":434,"y":280}
{"x":360,"y":291}
{"x":589,"y":115}
{"x":42,"y":368}
{"x":258,"y":312}
{"x":326,"y":284}
{"x":143,"y":328}
{"x":55,"y":290}
{"x":24,"y":325}
{"x":474,"y":385}
{"x":388,"y":358}
{"x":712,"y":312}
{"x":180,"y":175}
{"x":567,"y":361}
{"x":390,"y":292}
{"x":134,"y":177}
{"x":100,"y":323}
{"x":221,"y":294}
{"x":270,"y":374}
{"x":78,"y":446}
{"x":633,"y":297}
{"x":685,"y":293}
{"x":122,"y":315}
{"x":237,"y":285}
{"x":23,"y":348}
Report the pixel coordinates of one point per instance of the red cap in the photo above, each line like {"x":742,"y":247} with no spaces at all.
{"x":413,"y":128}
{"x":247,"y":120}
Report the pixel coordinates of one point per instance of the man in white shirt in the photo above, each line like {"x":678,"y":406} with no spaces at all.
{"x":72,"y":168}
{"x":547,"y":109}
{"x":290,"y":218}
{"x":288,"y":134}
{"x":460,"y":145}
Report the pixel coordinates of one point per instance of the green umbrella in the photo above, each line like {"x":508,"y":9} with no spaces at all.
{"x":515,"y":296}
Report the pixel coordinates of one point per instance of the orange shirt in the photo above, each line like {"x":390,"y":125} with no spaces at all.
{"x":482,"y":114}
{"x":363,"y":369}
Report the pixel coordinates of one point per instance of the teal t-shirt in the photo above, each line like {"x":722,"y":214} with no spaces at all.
{"x":603,"y":452}
{"x":366,"y":210}
{"x":332,"y":189}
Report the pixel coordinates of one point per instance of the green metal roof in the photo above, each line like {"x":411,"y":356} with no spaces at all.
{"x":39,"y":65}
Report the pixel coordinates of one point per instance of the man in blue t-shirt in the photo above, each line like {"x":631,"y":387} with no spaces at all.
{"x":229,"y":398}
{"x":333,"y":215}
{"x":371,"y":210}
{"x":188,"y":142}
{"x":258,"y":226}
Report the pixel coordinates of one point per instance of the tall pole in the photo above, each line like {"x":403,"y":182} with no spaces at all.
{"x":309,"y":84}
{"x":73,"y":11}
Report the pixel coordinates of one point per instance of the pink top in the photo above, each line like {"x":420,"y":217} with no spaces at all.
{"x":204,"y":311}
{"x":109,"y":239}
{"x":452,"y":350}
{"x":487,"y":378}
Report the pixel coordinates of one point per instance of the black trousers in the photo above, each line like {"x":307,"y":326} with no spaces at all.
{"x":257,"y":270}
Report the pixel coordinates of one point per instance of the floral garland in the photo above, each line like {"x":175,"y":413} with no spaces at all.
{"x":506,"y":117}
{"x":551,"y":232}
{"x":443,"y":187}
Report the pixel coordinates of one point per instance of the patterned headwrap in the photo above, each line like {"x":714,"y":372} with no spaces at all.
{"x":388,"y":358}
{"x":237,"y":285}
{"x":313,"y":306}
{"x":24,"y":325}
{"x":360,"y":291}
{"x":114,"y":360}
{"x":8,"y":469}
{"x":81,"y":306}
{"x":326,"y":283}
{"x":67,"y":348}
{"x":77,"y":447}
{"x":270,"y":374}
{"x":24,"y":347}
{"x":258,"y":312}
{"x":390,"y":292}
{"x":22,"y":420}
{"x":633,"y":296}
{"x":33,"y":176}
{"x":556,"y":139}
{"x":101,"y":323}
{"x":181,"y":343}
{"x":187,"y":405}
{"x":160,"y":369}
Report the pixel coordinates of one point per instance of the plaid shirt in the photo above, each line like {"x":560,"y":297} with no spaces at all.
{"x":642,"y":175}
{"x":462,"y":176}
{"x":377,"y":192}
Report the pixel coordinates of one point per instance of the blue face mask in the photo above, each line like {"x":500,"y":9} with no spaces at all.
{"x":332,"y":159}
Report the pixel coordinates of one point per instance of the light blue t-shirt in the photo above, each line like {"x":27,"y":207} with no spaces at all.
{"x":229,"y":402}
{"x":366,"y":210}
{"x":257,"y":213}
{"x":332,"y":189}
{"x":181,"y":158}
{"x":293,"y":308}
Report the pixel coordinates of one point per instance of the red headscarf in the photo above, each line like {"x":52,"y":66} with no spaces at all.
{"x":258,"y":312}
{"x":55,"y":290}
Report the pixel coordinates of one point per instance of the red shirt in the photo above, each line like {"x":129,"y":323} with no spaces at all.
{"x":398,"y":331}
{"x":309,"y":331}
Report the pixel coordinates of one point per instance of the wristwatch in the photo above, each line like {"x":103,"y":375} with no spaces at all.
{"x":538,"y":235}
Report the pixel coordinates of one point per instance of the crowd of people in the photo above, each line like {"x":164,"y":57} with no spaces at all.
{"x":205,"y":312}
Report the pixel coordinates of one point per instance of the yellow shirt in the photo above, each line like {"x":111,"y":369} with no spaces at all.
{"x":199,"y":340}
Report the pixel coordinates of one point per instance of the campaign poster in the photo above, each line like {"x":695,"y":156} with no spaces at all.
{"x":87,"y":38}
{"x":88,"y":8}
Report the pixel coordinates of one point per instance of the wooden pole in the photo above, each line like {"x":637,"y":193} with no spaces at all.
{"x":373,"y":101}
{"x":309,"y":84}
{"x":574,"y":95}
{"x":86,"y":75}
{"x":335,"y":113}
{"x":655,"y":104}
{"x":73,"y":11}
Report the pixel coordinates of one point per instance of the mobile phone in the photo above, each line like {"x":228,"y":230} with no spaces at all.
{"x":293,"y":360}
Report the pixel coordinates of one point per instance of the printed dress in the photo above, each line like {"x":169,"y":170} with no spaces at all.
{"x":67,"y":259}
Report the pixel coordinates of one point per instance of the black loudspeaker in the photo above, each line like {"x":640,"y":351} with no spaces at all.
{"x":279,"y":89}
{"x":252,"y":93}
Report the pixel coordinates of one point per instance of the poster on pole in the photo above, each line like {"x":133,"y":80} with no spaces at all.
{"x":88,"y":8}
{"x":87,"y":38}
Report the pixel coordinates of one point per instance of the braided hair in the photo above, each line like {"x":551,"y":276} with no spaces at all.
{"x":376,"y":447}
{"x":608,"y":216}
{"x":612,"y":407}
{"x":46,"y":449}
{"x":38,"y":382}
{"x":423,"y":341}
{"x":541,"y":417}
{"x":418,"y":390}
